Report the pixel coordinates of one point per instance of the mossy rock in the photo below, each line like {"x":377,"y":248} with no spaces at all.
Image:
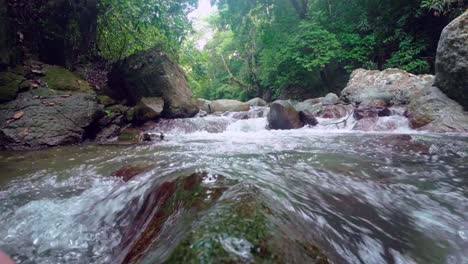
{"x":131,"y":114}
{"x":130,"y":135}
{"x":121,"y":109}
{"x":106,"y":100}
{"x":9,"y":86}
{"x":59,"y":78}
{"x":237,"y":231}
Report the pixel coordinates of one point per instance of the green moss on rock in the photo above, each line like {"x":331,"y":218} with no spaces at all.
{"x":106,"y":100}
{"x":59,"y":78}
{"x":9,"y":86}
{"x":130,"y":135}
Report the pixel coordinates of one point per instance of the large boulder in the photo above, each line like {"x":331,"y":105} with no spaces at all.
{"x":384,"y":88}
{"x":33,"y":121}
{"x":228,"y":106}
{"x":452,"y":60}
{"x":435,"y":112}
{"x":257,"y":102}
{"x":153,"y":74}
{"x":283,"y":115}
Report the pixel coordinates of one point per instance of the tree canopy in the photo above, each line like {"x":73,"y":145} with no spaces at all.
{"x":268,"y":47}
{"x":265,"y":47}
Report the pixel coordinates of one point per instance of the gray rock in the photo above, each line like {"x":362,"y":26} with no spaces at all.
{"x":204,"y":105}
{"x":52,"y":121}
{"x":257,"y":102}
{"x":384,"y":88}
{"x":330,"y":99}
{"x":149,"y":108}
{"x":435,"y":112}
{"x":228,"y":106}
{"x":452,"y":60}
{"x":308,"y":106}
{"x":153,"y":74}
{"x":283,"y":115}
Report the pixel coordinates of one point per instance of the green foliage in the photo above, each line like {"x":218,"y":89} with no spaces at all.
{"x":126,"y":27}
{"x":270,"y":45}
{"x":313,"y":47}
{"x":407,"y":57}
{"x":438,"y":5}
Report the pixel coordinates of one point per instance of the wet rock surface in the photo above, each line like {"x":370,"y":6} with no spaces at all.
{"x":47,"y":121}
{"x":283,"y":115}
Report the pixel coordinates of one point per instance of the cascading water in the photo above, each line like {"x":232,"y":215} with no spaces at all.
{"x":225,"y":188}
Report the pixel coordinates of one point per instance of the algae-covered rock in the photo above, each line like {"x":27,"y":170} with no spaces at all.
{"x":185,"y":195}
{"x":239,"y":230}
{"x":59,"y":78}
{"x":106,"y":100}
{"x":130,"y":135}
{"x":10,"y":84}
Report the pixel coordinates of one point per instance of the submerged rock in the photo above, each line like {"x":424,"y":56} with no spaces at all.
{"x":435,"y":112}
{"x":128,"y":172}
{"x":153,"y":74}
{"x":130,"y":135}
{"x":384,"y":88}
{"x":283,"y":115}
{"x":452,"y":60}
{"x":240,"y":230}
{"x":257,"y":102}
{"x":185,"y":196}
{"x":47,"y":121}
{"x":225,"y":105}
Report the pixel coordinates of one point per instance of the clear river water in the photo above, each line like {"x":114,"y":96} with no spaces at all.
{"x":223,"y":190}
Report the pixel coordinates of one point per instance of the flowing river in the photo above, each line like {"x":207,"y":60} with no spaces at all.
{"x":223,"y":190}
